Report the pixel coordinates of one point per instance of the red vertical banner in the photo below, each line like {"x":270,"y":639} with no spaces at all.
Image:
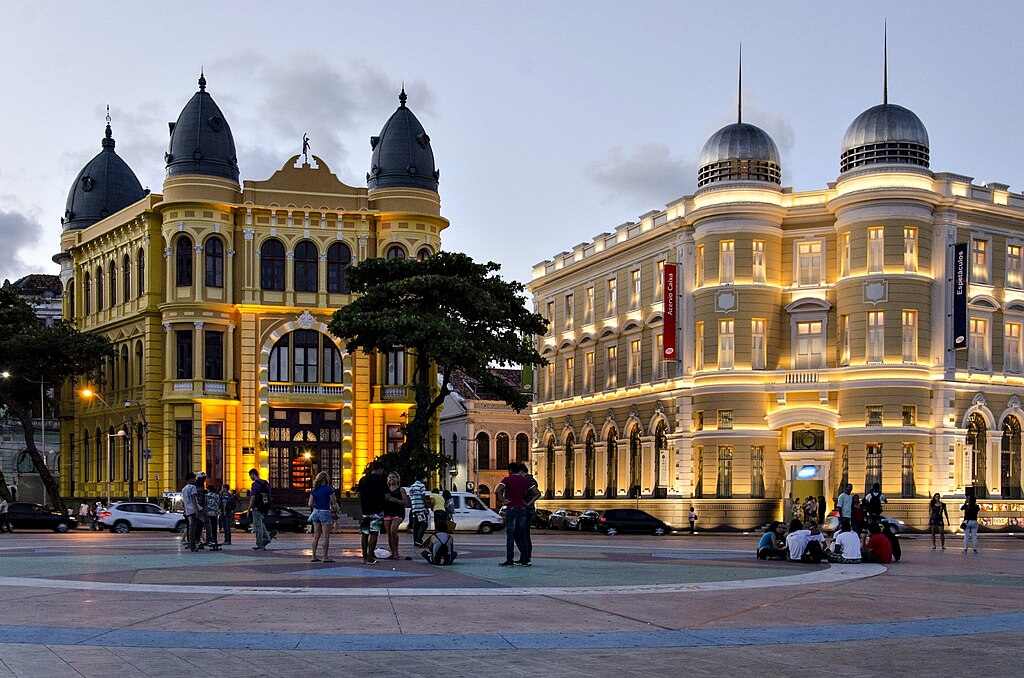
{"x":668,"y":328}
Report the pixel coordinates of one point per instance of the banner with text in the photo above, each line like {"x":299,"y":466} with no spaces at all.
{"x":669,"y":324}
{"x":960,"y":284}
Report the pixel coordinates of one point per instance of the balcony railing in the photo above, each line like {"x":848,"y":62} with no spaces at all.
{"x":306,"y":389}
{"x":394,"y":394}
{"x":203,"y":386}
{"x":802,"y":377}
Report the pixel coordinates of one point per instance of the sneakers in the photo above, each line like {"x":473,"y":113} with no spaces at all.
{"x":524,"y":563}
{"x":507,"y":563}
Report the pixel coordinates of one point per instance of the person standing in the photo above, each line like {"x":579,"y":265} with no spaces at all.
{"x":188,"y":501}
{"x":858,"y":514}
{"x":83,"y":514}
{"x":228,"y":502}
{"x":873,"y":502}
{"x":5,"y":519}
{"x":372,"y":488}
{"x":821,"y":509}
{"x":970,"y":510}
{"x":692,"y":517}
{"x":323,"y":506}
{"x":514,"y":493}
{"x":213,"y":502}
{"x":938,"y":519}
{"x":94,"y":517}
{"x":418,"y":508}
{"x":394,"y":512}
{"x":845,"y":504}
{"x":259,"y":505}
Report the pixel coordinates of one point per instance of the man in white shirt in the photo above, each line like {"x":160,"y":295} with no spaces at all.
{"x":5,"y":524}
{"x":845,"y":503}
{"x":188,"y":499}
{"x":845,"y":548}
{"x":806,"y":545}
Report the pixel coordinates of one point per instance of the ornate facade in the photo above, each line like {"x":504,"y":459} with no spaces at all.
{"x":216,"y":294}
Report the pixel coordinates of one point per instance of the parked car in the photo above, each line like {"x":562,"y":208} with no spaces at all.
{"x":563,"y":519}
{"x":587,"y":522}
{"x":26,"y":516}
{"x":470,"y":514}
{"x":278,"y":519}
{"x":832,"y":523}
{"x":124,"y":516}
{"x":615,"y":521}
{"x":539,"y":520}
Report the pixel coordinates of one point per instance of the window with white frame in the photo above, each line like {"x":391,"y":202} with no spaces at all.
{"x":844,"y":254}
{"x":634,"y":361}
{"x":810,"y":344}
{"x":588,"y":305}
{"x":698,"y":346}
{"x":698,"y":267}
{"x":568,"y":377}
{"x":658,"y":359}
{"x":978,"y":351}
{"x":809,"y":269}
{"x":1011,"y":348}
{"x":844,"y":340}
{"x":909,"y":336}
{"x":611,"y":367}
{"x":726,"y":344}
{"x":659,"y":280}
{"x":876,"y":249}
{"x":876,"y":337}
{"x":758,"y":271}
{"x":588,"y":372}
{"x":568,"y":311}
{"x":611,"y":297}
{"x":634,"y":288}
{"x":979,"y":261}
{"x":1014,"y":267}
{"x":758,"y":344}
{"x":910,"y":249}
{"x":726,"y":262}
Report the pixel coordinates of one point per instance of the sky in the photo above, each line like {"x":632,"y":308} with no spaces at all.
{"x":550,"y":122}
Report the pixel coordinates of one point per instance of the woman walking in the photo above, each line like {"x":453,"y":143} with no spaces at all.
{"x":970,"y":509}
{"x":323,"y":505}
{"x":394,"y":512}
{"x":936,"y":513}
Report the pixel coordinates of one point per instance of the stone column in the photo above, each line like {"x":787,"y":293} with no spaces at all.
{"x":170,"y":272}
{"x":229,"y":352}
{"x":289,"y":277}
{"x":229,"y":277}
{"x":993,"y":457}
{"x":647,"y":479}
{"x":197,"y":351}
{"x":321,"y":284}
{"x":169,"y":352}
{"x":198,"y":274}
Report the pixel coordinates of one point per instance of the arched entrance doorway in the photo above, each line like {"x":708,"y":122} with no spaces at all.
{"x":549,"y":470}
{"x":1009,"y":459}
{"x":612,"y":487}
{"x":588,"y":462}
{"x":570,"y":467}
{"x":978,"y":441}
{"x":660,"y":465}
{"x":634,"y":462}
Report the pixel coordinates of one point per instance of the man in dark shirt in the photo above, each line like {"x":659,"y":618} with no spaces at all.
{"x":516,"y":493}
{"x":372,"y":489}
{"x":259,"y":504}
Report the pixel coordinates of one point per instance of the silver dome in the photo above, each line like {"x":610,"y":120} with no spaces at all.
{"x":886,"y":133}
{"x":739,"y":152}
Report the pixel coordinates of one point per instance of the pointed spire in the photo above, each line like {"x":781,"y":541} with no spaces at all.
{"x":739,"y":89}
{"x":202,"y":80}
{"x":108,"y":134}
{"x":402,"y":97}
{"x":885,"y":62}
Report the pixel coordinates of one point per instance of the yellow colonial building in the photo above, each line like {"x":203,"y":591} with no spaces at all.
{"x":815,"y":336}
{"x":216,"y":294}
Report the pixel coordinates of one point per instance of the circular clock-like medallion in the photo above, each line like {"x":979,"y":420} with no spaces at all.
{"x":807,"y":439}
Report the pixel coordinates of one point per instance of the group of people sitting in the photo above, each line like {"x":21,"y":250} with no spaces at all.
{"x":807,"y":544}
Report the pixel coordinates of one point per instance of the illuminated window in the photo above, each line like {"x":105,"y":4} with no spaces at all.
{"x":549,"y":380}
{"x":727,"y":262}
{"x":634,"y":288}
{"x":699,"y":267}
{"x":758,"y":345}
{"x":568,"y":377}
{"x":908,"y":470}
{"x":844,"y":254}
{"x":876,"y":249}
{"x":634,"y":361}
{"x":698,"y":420}
{"x":809,"y":263}
{"x":810,"y":345}
{"x":588,"y":306}
{"x":978,"y":346}
{"x":1011,"y":348}
{"x":550,"y":316}
{"x":588,"y":372}
{"x":725,"y":455}
{"x":909,"y":415}
{"x":658,"y":361}
{"x":726,"y":344}
{"x":568,"y":311}
{"x":979,"y":261}
{"x":1014,"y":267}
{"x":757,"y":472}
{"x":659,"y":281}
{"x":758,"y":272}
{"x":910,"y":250}
{"x":909,"y":336}
{"x":874,"y":415}
{"x":611,"y":299}
{"x":876,"y":337}
{"x":873,"y":466}
{"x":724,"y":420}
{"x":698,"y":346}
{"x":611,"y":367}
{"x":844,"y":340}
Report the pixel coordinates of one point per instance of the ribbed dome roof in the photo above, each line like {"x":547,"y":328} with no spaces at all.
{"x":105,"y":185}
{"x":402,"y":157}
{"x":201,"y":141}
{"x":885,"y":134}
{"x":739,"y":152}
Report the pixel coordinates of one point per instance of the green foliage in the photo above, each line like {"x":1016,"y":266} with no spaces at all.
{"x":450,"y":313}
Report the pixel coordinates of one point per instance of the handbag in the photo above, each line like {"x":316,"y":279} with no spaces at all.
{"x":963,"y":525}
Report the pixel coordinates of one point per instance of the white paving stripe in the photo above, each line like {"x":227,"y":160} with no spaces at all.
{"x":830,"y":575}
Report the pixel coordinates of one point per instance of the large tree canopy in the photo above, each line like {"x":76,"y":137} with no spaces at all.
{"x":449,"y":313}
{"x":31,"y":352}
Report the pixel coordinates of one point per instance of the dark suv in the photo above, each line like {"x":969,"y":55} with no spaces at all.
{"x":26,"y":516}
{"x":614,"y":521}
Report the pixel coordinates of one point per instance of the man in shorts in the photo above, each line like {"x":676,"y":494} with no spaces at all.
{"x":372,"y":489}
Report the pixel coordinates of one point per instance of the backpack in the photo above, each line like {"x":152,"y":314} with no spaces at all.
{"x":443,"y":555}
{"x":874,"y":504}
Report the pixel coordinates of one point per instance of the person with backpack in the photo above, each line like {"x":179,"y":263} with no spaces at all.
{"x":212,"y":517}
{"x":228,"y":502}
{"x":439,"y":548}
{"x":873,"y":502}
{"x":202,"y":520}
{"x":259,"y":505}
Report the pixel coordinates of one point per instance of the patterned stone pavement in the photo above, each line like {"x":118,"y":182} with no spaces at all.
{"x":136,"y":605}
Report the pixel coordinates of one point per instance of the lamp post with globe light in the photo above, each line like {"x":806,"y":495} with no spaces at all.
{"x":88,"y":394}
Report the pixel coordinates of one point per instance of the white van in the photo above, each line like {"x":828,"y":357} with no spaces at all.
{"x":471,"y":515}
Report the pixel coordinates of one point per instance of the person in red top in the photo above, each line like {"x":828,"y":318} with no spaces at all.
{"x":878,"y":548}
{"x":515,"y":493}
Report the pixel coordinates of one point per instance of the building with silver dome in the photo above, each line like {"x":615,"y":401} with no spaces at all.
{"x":739,"y":152}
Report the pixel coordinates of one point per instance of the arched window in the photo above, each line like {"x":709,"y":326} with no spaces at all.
{"x":139,"y":371}
{"x":279,"y":361}
{"x":140,"y":263}
{"x":126,"y":375}
{"x":213,"y":259}
{"x":99,"y":454}
{"x":86,"y":458}
{"x":570,"y":466}
{"x":549,"y":470}
{"x":71,"y":299}
{"x":395,"y":252}
{"x":112,"y":459}
{"x":306,"y":272}
{"x":99,"y":288}
{"x":272,"y":265}
{"x":660,"y":447}
{"x":126,"y":277}
{"x":522,"y":448}
{"x":978,"y":440}
{"x":634,"y":462}
{"x":1010,"y":460}
{"x":339,"y":258}
{"x":140,"y":452}
{"x":483,"y":451}
{"x":612,"y":471}
{"x":87,"y":293}
{"x":501,"y":451}
{"x":113,"y":284}
{"x":305,"y":347}
{"x":424,"y":253}
{"x":588,"y":464}
{"x":332,"y":369}
{"x":183,"y":261}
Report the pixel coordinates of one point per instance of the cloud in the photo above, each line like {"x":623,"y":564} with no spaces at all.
{"x":17,"y":232}
{"x":643,"y":176}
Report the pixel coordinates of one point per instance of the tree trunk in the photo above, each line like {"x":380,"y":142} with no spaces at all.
{"x":37,"y":460}
{"x":4,"y":492}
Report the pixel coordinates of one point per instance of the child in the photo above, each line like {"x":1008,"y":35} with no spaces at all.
{"x":439,"y":548}
{"x":693,"y":520}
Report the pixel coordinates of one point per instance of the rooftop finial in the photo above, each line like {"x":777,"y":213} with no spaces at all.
{"x":885,"y":62}
{"x":109,"y":134}
{"x":402,"y":97}
{"x":108,"y":137}
{"x":202,"y":80}
{"x":739,"y":89}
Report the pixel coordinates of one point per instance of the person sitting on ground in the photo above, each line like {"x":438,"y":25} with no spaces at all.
{"x":877,"y":548}
{"x":772,"y":545}
{"x":805,"y":544}
{"x":439,"y":547}
{"x":846,"y":545}
{"x":894,"y":541}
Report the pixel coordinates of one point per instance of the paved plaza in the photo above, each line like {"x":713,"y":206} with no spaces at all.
{"x":137,"y":605}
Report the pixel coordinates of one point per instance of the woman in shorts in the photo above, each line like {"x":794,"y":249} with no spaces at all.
{"x":323,"y":504}
{"x":394,"y":512}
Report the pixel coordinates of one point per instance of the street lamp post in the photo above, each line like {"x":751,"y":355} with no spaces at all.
{"x":110,"y":445}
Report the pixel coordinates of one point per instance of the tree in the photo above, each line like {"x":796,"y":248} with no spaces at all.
{"x":29,"y":352}
{"x":449,"y":313}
